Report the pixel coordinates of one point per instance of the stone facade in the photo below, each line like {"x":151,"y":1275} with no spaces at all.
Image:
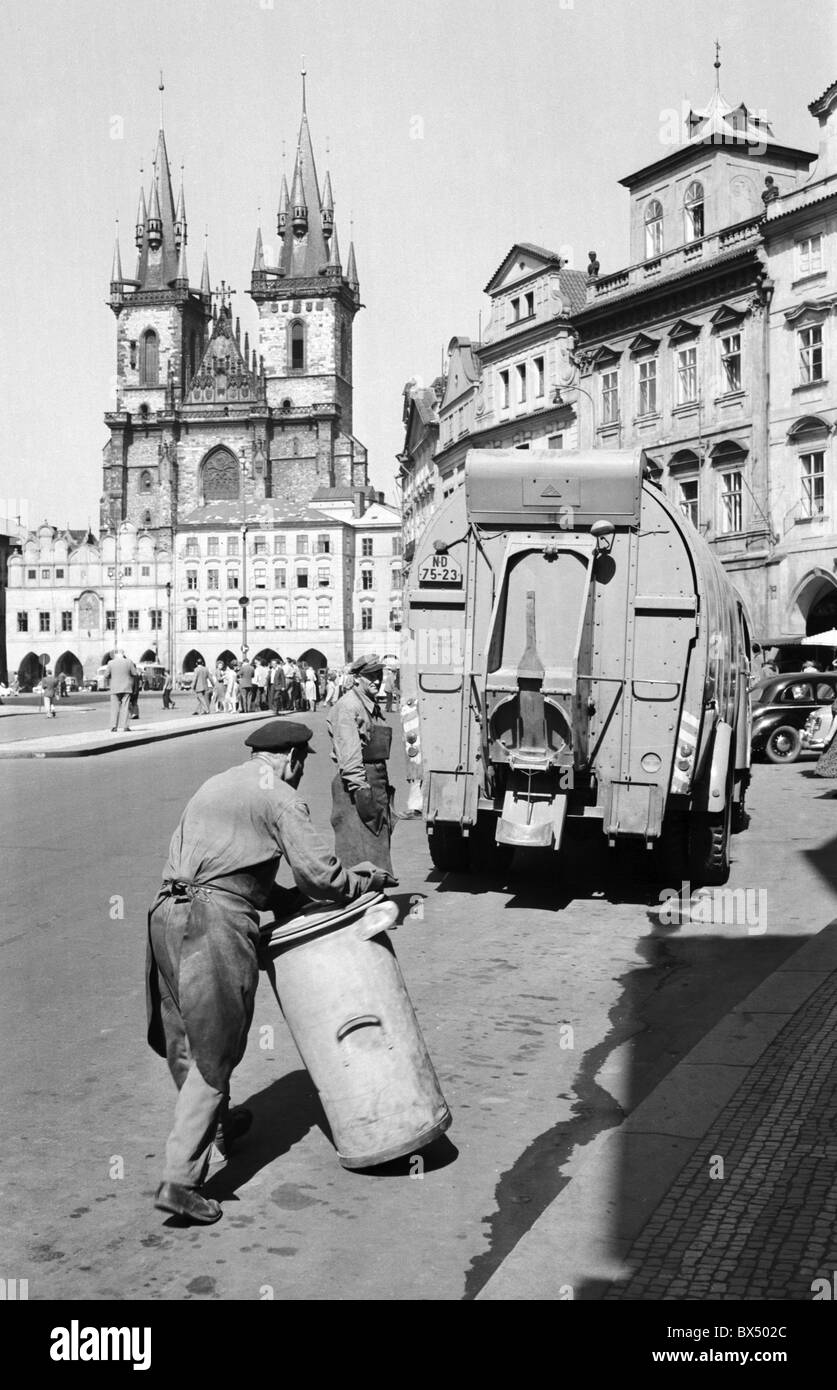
{"x":800,"y":237}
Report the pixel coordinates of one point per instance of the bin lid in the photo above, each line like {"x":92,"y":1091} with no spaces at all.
{"x":315,"y":918}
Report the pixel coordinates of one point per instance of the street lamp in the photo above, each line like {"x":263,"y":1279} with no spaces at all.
{"x":168,"y":626}
{"x":244,"y":600}
{"x":558,"y":399}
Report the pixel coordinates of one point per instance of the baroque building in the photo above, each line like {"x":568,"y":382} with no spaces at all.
{"x":674,"y":348}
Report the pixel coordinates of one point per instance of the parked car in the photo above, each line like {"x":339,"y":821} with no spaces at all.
{"x":819,"y":729}
{"x":781,"y":706}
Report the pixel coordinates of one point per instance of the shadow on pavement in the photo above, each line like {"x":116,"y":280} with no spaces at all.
{"x":283,"y":1114}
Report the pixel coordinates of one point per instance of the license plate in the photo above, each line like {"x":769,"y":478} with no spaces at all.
{"x":440,"y":570}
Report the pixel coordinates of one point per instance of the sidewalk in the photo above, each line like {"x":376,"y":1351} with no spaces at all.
{"x":720,"y":1184}
{"x":88,"y":742}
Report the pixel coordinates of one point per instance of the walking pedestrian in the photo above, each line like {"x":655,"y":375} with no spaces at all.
{"x":135,"y":694}
{"x":361,"y":793}
{"x":118,"y":676}
{"x":201,"y":687}
{"x":261,"y":677}
{"x":168,"y":702}
{"x":203,"y":937}
{"x":311,"y":688}
{"x":231,"y":690}
{"x":245,"y":685}
{"x":48,"y":684}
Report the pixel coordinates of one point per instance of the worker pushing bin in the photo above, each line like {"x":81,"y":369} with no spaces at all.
{"x":343,"y":996}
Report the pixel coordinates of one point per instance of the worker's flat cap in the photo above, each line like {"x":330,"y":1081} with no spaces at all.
{"x":279,"y":736}
{"x":366,"y":665}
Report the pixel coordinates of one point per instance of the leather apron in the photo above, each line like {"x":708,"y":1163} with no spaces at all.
{"x":354,"y":840}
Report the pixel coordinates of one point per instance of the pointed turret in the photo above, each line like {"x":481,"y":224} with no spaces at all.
{"x":334,"y":252}
{"x":116,"y":268}
{"x":182,"y":279}
{"x":154,"y":221}
{"x":206,"y":283}
{"x":258,"y":254}
{"x":142,"y":217}
{"x":284,"y":208}
{"x":327,"y":207}
{"x":180,"y":234}
{"x":299,"y":207}
{"x":117,"y":292}
{"x":351,"y":270}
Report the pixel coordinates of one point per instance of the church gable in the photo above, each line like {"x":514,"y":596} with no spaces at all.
{"x":521,"y":261}
{"x":223,"y":374}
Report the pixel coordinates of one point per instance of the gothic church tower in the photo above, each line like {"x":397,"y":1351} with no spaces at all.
{"x":160,"y":337}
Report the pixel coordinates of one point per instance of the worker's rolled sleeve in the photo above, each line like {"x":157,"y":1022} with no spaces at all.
{"x":317,"y":871}
{"x":348,"y":749}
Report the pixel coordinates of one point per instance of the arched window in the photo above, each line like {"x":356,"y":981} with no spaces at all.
{"x":146,"y":482}
{"x":149,"y":359}
{"x":221,"y":476}
{"x":213,"y":617}
{"x":301,"y":613}
{"x":296,"y":332}
{"x":653,"y":229}
{"x":323,"y":615}
{"x":693,"y":211}
{"x":260,"y":614}
{"x":280,"y":615}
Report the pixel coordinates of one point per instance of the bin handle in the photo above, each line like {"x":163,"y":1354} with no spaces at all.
{"x":362,"y":1021}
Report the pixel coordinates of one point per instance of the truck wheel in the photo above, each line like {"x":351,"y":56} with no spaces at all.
{"x":783,"y":745}
{"x":448,"y":848}
{"x":710,"y":846}
{"x":487,"y":857}
{"x":671,"y":856}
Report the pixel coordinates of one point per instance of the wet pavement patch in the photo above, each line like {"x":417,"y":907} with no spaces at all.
{"x":292,"y":1198}
{"x":202,"y":1284}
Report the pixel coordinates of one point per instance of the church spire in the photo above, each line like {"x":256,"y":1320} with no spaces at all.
{"x":182,"y":278}
{"x":258,"y":255}
{"x":299,"y":207}
{"x":327,"y":212}
{"x":284,"y":207}
{"x":351,"y":270}
{"x":180,"y":233}
{"x":116,"y":268}
{"x":334,"y":252}
{"x":206,"y":283}
{"x":142,"y":217}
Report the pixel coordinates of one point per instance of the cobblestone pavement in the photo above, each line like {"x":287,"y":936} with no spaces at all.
{"x":753,"y":1214}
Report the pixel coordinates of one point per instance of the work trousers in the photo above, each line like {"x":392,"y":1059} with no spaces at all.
{"x":200,"y":1109}
{"x":203,"y":703}
{"x":120,"y":708}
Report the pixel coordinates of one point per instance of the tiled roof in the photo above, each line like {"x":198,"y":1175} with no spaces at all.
{"x":266,"y":513}
{"x":573,"y":288}
{"x":823,"y":101}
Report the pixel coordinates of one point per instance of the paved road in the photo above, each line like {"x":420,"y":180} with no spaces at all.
{"x":551,"y":1005}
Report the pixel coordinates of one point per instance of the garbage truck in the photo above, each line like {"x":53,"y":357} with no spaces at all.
{"x":574,"y":652}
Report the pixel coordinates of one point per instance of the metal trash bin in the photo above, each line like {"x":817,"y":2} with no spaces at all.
{"x":344,"y":999}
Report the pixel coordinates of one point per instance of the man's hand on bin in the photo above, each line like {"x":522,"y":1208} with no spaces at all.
{"x":369,"y":811}
{"x":379,"y":879}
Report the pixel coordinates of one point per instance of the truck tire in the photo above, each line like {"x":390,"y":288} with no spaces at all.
{"x":448,"y":848}
{"x":671,"y":855}
{"x":487,"y":857}
{"x":783,"y":745}
{"x":710,"y":847}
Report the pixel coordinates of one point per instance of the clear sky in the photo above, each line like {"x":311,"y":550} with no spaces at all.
{"x":455,"y":128}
